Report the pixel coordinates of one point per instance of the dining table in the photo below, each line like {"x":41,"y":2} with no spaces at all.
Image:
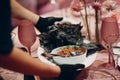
{"x":75,"y":18}
{"x":101,"y":57}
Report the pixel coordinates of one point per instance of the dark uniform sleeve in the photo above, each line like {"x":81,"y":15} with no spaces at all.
{"x":5,"y":27}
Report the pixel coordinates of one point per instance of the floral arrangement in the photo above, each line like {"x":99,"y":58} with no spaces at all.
{"x":101,"y":9}
{"x":96,"y":6}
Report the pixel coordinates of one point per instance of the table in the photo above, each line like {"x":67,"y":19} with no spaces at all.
{"x":102,"y":56}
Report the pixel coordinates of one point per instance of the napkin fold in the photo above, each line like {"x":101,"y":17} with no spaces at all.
{"x":92,"y":47}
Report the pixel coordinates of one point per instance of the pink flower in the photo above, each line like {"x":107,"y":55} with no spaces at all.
{"x":114,"y":15}
{"x":96,"y":5}
{"x":76,"y":5}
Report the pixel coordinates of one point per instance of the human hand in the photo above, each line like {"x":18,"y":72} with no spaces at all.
{"x":43,"y":23}
{"x":69,"y":72}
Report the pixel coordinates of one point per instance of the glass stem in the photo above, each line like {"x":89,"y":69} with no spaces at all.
{"x":29,"y":50}
{"x":111,"y":57}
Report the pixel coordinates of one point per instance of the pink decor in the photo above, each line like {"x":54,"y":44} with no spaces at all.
{"x":26,"y":34}
{"x":29,"y":4}
{"x":118,"y":1}
{"x":47,"y":8}
{"x":50,"y":7}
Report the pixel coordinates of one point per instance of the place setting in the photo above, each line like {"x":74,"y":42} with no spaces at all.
{"x":63,"y":43}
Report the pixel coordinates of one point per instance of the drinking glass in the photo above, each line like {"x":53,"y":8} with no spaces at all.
{"x":109,"y":34}
{"x":26,"y":34}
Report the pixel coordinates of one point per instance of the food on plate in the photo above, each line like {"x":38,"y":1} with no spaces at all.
{"x":66,"y":56}
{"x":71,"y":51}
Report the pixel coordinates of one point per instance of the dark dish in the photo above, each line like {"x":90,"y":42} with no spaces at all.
{"x":61,"y":34}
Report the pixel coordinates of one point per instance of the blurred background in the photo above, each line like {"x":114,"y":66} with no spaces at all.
{"x":42,"y":6}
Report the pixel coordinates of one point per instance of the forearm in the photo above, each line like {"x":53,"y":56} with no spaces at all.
{"x":19,"y":61}
{"x":21,"y":12}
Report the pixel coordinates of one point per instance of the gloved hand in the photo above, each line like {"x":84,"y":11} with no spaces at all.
{"x":69,"y":72}
{"x":43,"y":23}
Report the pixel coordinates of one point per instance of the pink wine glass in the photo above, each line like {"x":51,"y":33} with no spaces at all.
{"x":110,"y":34}
{"x":26,"y":34}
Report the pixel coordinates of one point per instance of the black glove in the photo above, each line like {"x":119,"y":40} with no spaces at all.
{"x":69,"y":72}
{"x":43,"y":23}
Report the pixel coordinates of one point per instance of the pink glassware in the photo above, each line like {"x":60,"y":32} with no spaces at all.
{"x":26,"y":34}
{"x":110,"y":34}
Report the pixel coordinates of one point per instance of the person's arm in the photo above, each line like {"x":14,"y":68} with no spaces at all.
{"x":20,"y":61}
{"x":21,"y":12}
{"x":40,"y":23}
{"x":16,"y":59}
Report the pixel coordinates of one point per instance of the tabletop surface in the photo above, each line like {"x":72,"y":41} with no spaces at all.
{"x":102,"y":56}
